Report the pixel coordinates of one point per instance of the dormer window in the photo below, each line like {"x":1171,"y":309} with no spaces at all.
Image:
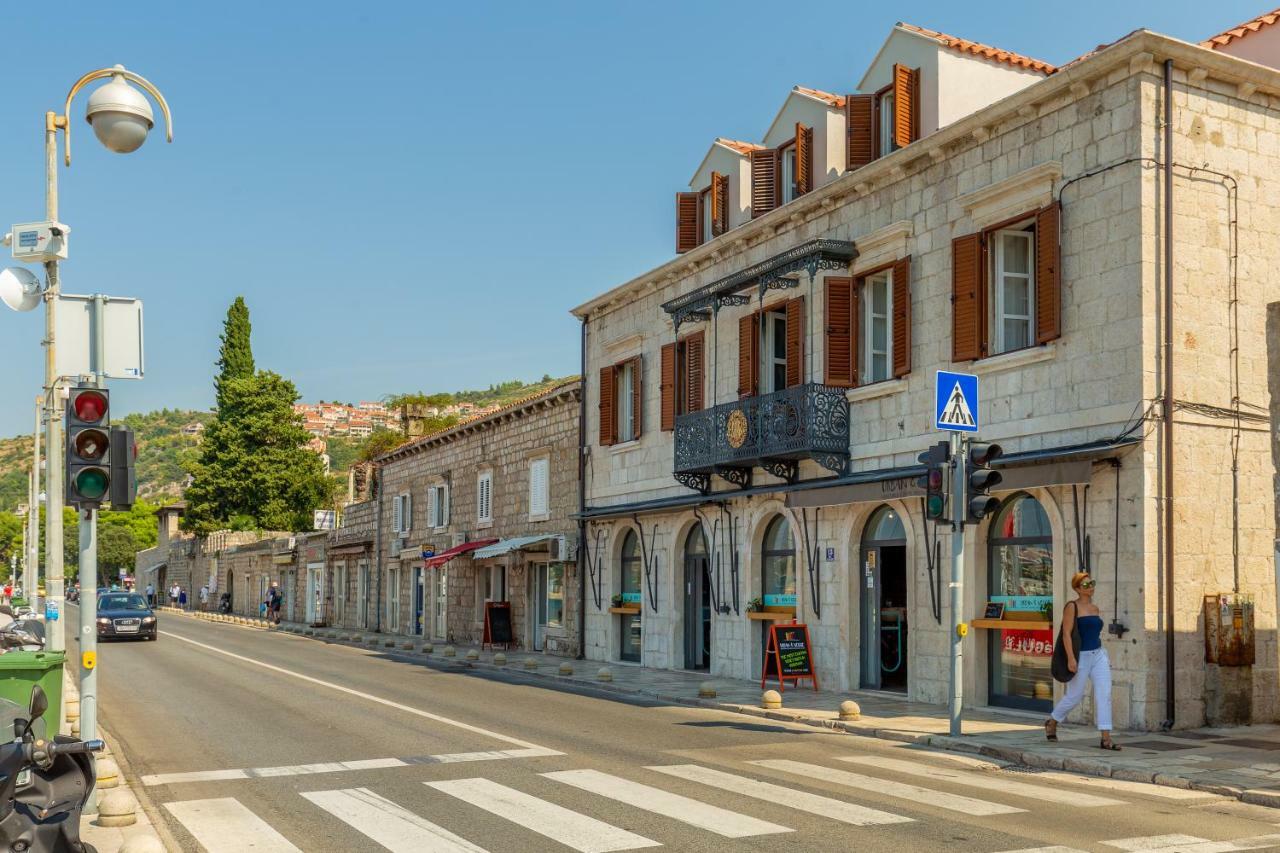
{"x":702,"y":215}
{"x":787,"y":165}
{"x":886,"y":143}
{"x":779,"y":175}
{"x":879,"y":124}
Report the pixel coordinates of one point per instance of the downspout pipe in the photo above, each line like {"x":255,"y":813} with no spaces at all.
{"x":582,"y":495}
{"x":1170,"y":664}
{"x":377,"y":550}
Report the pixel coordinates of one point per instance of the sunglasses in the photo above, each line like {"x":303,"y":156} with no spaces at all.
{"x":1089,"y":584}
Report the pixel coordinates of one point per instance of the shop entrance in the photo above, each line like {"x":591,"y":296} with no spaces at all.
{"x":697,"y":602}
{"x":883,"y":581}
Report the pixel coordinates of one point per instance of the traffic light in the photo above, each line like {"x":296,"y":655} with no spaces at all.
{"x":934,"y":480}
{"x":980,"y":480}
{"x":87,"y":471}
{"x":123,"y":453}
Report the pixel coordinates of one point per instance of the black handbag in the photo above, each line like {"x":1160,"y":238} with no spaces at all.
{"x":1061,"y":672}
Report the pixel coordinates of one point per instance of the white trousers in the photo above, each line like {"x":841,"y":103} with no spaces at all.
{"x":1092,"y":666}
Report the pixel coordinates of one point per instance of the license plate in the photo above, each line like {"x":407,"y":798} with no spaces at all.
{"x":24,"y":777}
{"x":127,"y":629}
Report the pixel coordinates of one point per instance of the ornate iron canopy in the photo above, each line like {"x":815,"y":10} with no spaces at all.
{"x":771,"y":274}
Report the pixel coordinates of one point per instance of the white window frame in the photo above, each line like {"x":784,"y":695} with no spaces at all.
{"x":546,"y":605}
{"x":999,"y":274}
{"x":885,"y":134}
{"x":362,"y":595}
{"x":393,"y":599}
{"x":708,"y":223}
{"x":866,"y":359}
{"x":402,"y":513}
{"x":769,"y":358}
{"x":624,"y":395}
{"x":787,"y":173}
{"x":440,"y":602}
{"x":484,"y":497}
{"x":437,"y":506}
{"x":339,"y":591}
{"x":495,"y":580}
{"x":539,"y":488}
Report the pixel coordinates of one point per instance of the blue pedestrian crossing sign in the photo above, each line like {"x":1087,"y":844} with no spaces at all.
{"x":956,"y":406}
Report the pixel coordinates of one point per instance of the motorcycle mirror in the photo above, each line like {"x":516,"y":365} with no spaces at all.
{"x":39,"y":702}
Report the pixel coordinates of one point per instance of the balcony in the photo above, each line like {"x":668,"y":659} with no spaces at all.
{"x":771,"y":431}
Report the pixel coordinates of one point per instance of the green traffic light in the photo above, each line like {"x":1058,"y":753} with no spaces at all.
{"x":92,"y":484}
{"x":934,"y":505}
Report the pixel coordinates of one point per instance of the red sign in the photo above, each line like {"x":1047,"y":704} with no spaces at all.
{"x":1037,"y":644}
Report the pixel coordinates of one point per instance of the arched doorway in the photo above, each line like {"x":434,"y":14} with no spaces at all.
{"x":697,"y":601}
{"x":1020,"y":575}
{"x":884,"y":601}
{"x":777,"y":575}
{"x":631,"y":597}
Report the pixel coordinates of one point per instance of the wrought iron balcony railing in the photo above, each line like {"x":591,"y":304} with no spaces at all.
{"x":770,"y":431}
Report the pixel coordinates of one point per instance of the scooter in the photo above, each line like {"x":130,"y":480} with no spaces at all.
{"x":22,"y":635}
{"x":44,"y":786}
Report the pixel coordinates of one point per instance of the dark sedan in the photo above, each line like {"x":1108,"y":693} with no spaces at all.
{"x":125,"y":615}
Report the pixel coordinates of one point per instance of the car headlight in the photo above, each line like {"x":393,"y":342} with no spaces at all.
{"x":104,"y":621}
{"x":147,"y":620}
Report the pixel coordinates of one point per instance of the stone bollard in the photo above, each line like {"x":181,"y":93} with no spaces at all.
{"x":73,"y":709}
{"x":108,"y":773}
{"x":566,"y":668}
{"x":75,"y":728}
{"x":849,"y":710}
{"x":118,"y":808}
{"x":406,"y":647}
{"x":142,"y":844}
{"x":472,"y":654}
{"x":771,"y":699}
{"x":389,"y":643}
{"x":450,"y":652}
{"x":499,"y":659}
{"x":428,"y":648}
{"x":530,"y":663}
{"x":604,"y":674}
{"x":707,"y":690}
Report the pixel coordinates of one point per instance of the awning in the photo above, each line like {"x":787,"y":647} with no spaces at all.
{"x":157,"y":567}
{"x":456,"y":551}
{"x":506,"y":546}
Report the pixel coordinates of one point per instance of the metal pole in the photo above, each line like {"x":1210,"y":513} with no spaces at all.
{"x":53,"y":473}
{"x":31,"y":571}
{"x":88,"y":631}
{"x":957,"y":579}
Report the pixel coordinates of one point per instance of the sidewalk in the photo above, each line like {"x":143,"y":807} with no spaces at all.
{"x":1243,"y":763}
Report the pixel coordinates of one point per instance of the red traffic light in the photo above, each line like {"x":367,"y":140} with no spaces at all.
{"x":90,"y":406}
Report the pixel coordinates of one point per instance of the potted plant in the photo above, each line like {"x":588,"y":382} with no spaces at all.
{"x":755,"y":605}
{"x":616,"y":600}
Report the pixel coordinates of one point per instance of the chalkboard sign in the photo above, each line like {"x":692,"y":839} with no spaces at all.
{"x":497,"y":624}
{"x":788,"y":656}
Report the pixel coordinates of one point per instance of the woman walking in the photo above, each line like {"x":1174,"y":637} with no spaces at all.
{"x":1089,"y":662}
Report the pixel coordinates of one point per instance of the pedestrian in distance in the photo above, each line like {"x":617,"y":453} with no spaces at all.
{"x":1089,"y":663}
{"x":204,"y":598}
{"x":182,"y":598}
{"x":151,"y":595}
{"x":173,"y":595}
{"x":8,"y":593}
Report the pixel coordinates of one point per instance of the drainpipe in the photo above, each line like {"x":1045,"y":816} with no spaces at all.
{"x":582,"y":496}
{"x":377,"y":550}
{"x":1170,"y":667}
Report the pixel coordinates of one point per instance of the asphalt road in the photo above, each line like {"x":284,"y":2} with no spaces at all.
{"x":252,"y":741}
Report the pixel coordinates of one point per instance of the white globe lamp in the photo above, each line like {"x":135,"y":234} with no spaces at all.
{"x":20,"y":289}
{"x":120,"y":115}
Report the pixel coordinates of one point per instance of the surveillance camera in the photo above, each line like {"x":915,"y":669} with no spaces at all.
{"x":55,"y":231}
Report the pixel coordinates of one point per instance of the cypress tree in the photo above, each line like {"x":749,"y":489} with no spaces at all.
{"x":235,"y":358}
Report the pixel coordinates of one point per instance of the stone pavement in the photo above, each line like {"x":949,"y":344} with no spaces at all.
{"x":1237,"y":762}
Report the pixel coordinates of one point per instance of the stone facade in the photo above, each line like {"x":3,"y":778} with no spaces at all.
{"x":185,"y":559}
{"x":1088,"y":135}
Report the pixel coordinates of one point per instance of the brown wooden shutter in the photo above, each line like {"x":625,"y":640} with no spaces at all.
{"x":902,"y":317}
{"x":608,"y":407}
{"x":693,"y":371}
{"x":906,"y":119}
{"x":966,"y":298}
{"x":795,"y":341}
{"x":859,"y":130}
{"x":667,"y":387}
{"x":719,"y":204}
{"x":637,"y":395}
{"x":855,"y":331}
{"x":764,"y":181}
{"x":687,"y":222}
{"x":838,"y":311}
{"x":804,"y":159}
{"x":1048,"y":277}
{"x":748,"y":354}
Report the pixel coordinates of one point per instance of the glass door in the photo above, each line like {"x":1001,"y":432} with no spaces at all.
{"x":1020,"y":565}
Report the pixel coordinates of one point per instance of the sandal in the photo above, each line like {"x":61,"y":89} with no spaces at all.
{"x":1051,"y":730}
{"x":1109,"y":745}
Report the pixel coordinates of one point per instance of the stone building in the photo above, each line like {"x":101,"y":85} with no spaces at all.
{"x":185,"y":559}
{"x":756,"y":406}
{"x":477,"y":513}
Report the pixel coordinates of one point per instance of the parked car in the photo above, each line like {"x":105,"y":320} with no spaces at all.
{"x":125,"y":615}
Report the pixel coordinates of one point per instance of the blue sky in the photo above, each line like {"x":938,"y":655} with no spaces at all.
{"x":411,"y":196}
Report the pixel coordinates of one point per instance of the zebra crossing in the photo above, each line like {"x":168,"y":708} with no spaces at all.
{"x":568,"y":812}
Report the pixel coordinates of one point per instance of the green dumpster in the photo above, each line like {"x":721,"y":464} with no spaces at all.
{"x":20,"y":671}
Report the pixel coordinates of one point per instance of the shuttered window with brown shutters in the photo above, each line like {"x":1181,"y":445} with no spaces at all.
{"x":968,"y":298}
{"x":688,"y":223}
{"x":840,"y":363}
{"x":694,"y":372}
{"x":795,"y":341}
{"x":637,"y":397}
{"x":608,"y":406}
{"x":860,"y":130}
{"x":804,"y":159}
{"x":1048,"y":278}
{"x":902,"y":317}
{"x":719,"y":204}
{"x":748,"y":354}
{"x":667,"y":387}
{"x":906,"y":96}
{"x":764,"y":181}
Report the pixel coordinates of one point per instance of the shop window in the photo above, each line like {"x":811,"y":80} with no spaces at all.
{"x":1020,"y":575}
{"x":631,"y":570}
{"x":778,"y":565}
{"x":554,"y":608}
{"x":393,"y":600}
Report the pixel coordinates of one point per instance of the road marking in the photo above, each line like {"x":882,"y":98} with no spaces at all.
{"x":466,"y":727}
{"x":1145,"y":789}
{"x":987,"y":781}
{"x":783,"y":796}
{"x":914,"y":793}
{"x":340,"y":766}
{"x":569,"y":828}
{"x":395,"y":828}
{"x":690,"y":811}
{"x":1191,"y":844}
{"x":225,"y":826}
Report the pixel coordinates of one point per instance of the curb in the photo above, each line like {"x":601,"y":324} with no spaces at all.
{"x":1008,"y":755}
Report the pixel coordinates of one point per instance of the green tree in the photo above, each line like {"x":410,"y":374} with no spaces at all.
{"x":116,"y":551}
{"x":235,"y":359}
{"x":254,"y":469}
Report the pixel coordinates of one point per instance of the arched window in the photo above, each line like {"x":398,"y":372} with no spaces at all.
{"x":778,"y":564}
{"x":631,"y":597}
{"x":694,"y":544}
{"x":884,"y":526}
{"x":1020,"y":575}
